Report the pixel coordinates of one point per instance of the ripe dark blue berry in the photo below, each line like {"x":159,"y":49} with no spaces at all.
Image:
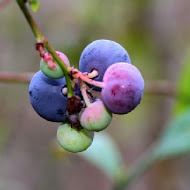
{"x":47,"y":98}
{"x":99,"y":55}
{"x":123,"y":88}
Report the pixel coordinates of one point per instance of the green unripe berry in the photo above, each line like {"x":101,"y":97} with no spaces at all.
{"x":73,"y":140}
{"x":52,"y":69}
{"x":95,"y":117}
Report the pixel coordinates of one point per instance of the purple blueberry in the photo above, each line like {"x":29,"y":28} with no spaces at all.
{"x":99,"y":55}
{"x":123,"y":88}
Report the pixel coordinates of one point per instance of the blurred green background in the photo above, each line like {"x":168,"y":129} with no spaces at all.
{"x":156,"y":35}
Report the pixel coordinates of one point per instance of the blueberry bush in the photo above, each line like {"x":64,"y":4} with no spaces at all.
{"x":105,"y":85}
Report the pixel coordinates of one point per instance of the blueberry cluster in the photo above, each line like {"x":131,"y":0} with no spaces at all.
{"x":108,"y":67}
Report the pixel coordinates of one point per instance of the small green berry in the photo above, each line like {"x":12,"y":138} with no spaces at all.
{"x":95,"y":117}
{"x":52,"y":69}
{"x":73,"y":140}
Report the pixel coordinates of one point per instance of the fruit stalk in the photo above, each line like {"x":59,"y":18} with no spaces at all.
{"x":84,"y":94}
{"x":41,"y":39}
{"x":34,"y":27}
{"x":78,"y":75}
{"x":63,"y":67}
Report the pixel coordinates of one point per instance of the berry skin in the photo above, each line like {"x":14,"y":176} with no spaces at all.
{"x":47,"y":98}
{"x":99,"y":55}
{"x":52,"y":69}
{"x":72,"y":140}
{"x":123,"y":88}
{"x":95,"y":117}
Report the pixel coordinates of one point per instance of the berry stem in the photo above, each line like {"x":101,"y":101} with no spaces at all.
{"x":63,"y":66}
{"x":34,"y":27}
{"x":92,"y":82}
{"x":77,"y":74}
{"x":84,"y":94}
{"x":41,"y":39}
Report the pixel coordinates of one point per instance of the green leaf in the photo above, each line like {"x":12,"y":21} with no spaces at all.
{"x":104,"y":154}
{"x":34,"y":5}
{"x":175,"y":139}
{"x":183,"y":88}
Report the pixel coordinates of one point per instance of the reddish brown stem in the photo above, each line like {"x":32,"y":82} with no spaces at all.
{"x":160,"y":87}
{"x":78,"y":75}
{"x":15,"y":77}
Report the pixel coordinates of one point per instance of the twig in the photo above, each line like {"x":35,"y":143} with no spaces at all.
{"x":10,"y":77}
{"x":41,"y":39}
{"x":158,"y":87}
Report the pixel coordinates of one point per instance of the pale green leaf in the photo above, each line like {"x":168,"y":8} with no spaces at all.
{"x":34,"y":5}
{"x":104,"y":154}
{"x":175,"y":139}
{"x":183,"y":87}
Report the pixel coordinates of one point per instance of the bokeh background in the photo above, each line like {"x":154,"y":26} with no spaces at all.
{"x":156,"y":34}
